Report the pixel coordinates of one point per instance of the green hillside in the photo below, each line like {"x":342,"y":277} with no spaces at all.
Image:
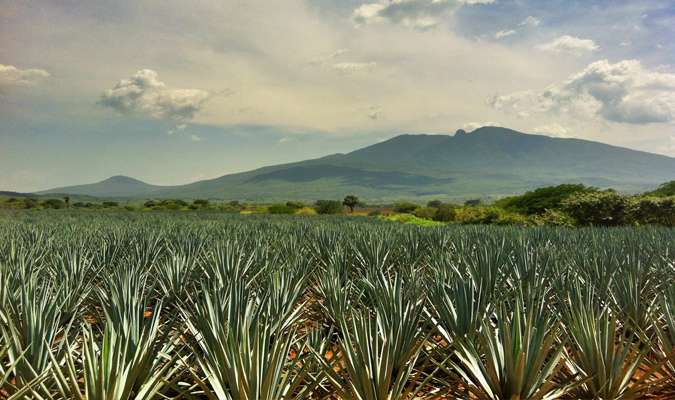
{"x":489,"y":162}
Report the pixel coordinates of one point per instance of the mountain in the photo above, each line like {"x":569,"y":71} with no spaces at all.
{"x":489,"y":162}
{"x":117,"y":186}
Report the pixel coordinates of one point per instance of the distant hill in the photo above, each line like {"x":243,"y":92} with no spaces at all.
{"x":489,"y":162}
{"x":117,"y":186}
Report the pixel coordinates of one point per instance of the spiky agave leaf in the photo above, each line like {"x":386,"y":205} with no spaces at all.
{"x":518,"y":357}
{"x":243,"y":353}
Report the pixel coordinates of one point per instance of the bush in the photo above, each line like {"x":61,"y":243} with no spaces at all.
{"x":296,"y":204}
{"x":306,"y":210}
{"x":259,"y":210}
{"x":150,"y":204}
{"x":201,"y":202}
{"x":194,"y":206}
{"x":130,"y":208}
{"x":445,"y":212}
{"x":110,"y":204}
{"x":56,"y":204}
{"x":425,"y":212}
{"x":281,"y":209}
{"x":406,"y":207}
{"x":542,"y":199}
{"x":601,"y":209}
{"x":330,"y":207}
{"x":434,"y":203}
{"x":374,"y":213}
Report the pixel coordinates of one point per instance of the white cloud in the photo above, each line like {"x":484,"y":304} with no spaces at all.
{"x":321,"y":60}
{"x":285,"y":139}
{"x":530,"y":21}
{"x":570,"y":44}
{"x":504,"y":32}
{"x":418,"y":14}
{"x":348,"y":67}
{"x":178,"y":128}
{"x":472,"y":126}
{"x":622,"y":92}
{"x":14,"y":77}
{"x":143,"y":94}
{"x":554,"y":130}
{"x":195,"y":138}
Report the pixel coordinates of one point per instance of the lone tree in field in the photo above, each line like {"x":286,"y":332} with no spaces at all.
{"x":67,"y":199}
{"x":351,"y":202}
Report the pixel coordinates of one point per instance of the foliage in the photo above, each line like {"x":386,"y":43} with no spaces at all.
{"x":202,"y":202}
{"x":601,"y":208}
{"x":330,"y":207}
{"x":281,"y":209}
{"x":434,"y":203}
{"x":473,"y":202}
{"x":425,"y":212}
{"x":110,"y":204}
{"x":306,"y":210}
{"x":542,"y":199}
{"x":374,"y":213}
{"x":296,"y":204}
{"x":166,"y":305}
{"x":406,"y":207}
{"x":664,"y":190}
{"x":445,"y":212}
{"x":351,"y":202}
{"x":55,"y":204}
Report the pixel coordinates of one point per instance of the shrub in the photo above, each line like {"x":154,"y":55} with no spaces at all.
{"x":56,"y":204}
{"x":130,"y":208}
{"x":296,"y":204}
{"x":425,"y":212}
{"x":194,"y":206}
{"x":406,"y":207}
{"x":602,"y":209}
{"x":330,"y":207}
{"x":110,"y":204}
{"x":150,"y":204}
{"x":445,"y":212}
{"x":374,"y":213}
{"x":201,"y":202}
{"x":281,"y":209}
{"x":259,"y":210}
{"x":434,"y":203}
{"x":306,"y":210}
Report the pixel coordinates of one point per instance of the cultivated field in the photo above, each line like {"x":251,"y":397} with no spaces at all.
{"x":160,"y":305}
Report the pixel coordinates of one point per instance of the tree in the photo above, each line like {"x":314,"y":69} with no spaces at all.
{"x":110,"y":204}
{"x":56,"y":204}
{"x":473,"y":202}
{"x":406,"y":207}
{"x":542,"y":199}
{"x":666,"y":189}
{"x":150,"y":204}
{"x":296,"y":204}
{"x":434,"y":203}
{"x":234,"y":203}
{"x":445,"y":212}
{"x":351,"y":202}
{"x":201,"y":202}
{"x":67,"y":199}
{"x":600,"y":209}
{"x":330,"y":207}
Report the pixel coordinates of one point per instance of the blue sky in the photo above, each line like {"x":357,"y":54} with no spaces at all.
{"x":172,"y":92}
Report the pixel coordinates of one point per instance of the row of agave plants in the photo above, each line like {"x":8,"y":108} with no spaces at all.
{"x":216,"y":306}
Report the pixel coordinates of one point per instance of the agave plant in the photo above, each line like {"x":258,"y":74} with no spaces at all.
{"x":242,"y":351}
{"x":520,"y":357}
{"x":379,"y":351}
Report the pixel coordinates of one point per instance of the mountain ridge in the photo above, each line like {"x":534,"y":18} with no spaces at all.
{"x":489,"y":162}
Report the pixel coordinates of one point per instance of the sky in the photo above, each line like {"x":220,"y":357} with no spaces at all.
{"x":175,"y":91}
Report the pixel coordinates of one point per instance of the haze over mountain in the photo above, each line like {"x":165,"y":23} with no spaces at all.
{"x":489,"y":162}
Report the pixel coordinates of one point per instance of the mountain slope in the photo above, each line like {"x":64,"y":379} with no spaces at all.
{"x":117,"y":186}
{"x":488,"y":162}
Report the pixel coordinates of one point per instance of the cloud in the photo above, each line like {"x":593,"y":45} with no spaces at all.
{"x":179,"y":128}
{"x":373,"y":112}
{"x":143,"y":94}
{"x":195,"y":138}
{"x":570,"y":44}
{"x":14,"y":77}
{"x":554,"y":130}
{"x":504,"y":32}
{"x":348,"y":67}
{"x":472,"y":126}
{"x":623,"y":92}
{"x":530,"y":21}
{"x":418,"y":14}
{"x":285,"y":139}
{"x":321,"y":60}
